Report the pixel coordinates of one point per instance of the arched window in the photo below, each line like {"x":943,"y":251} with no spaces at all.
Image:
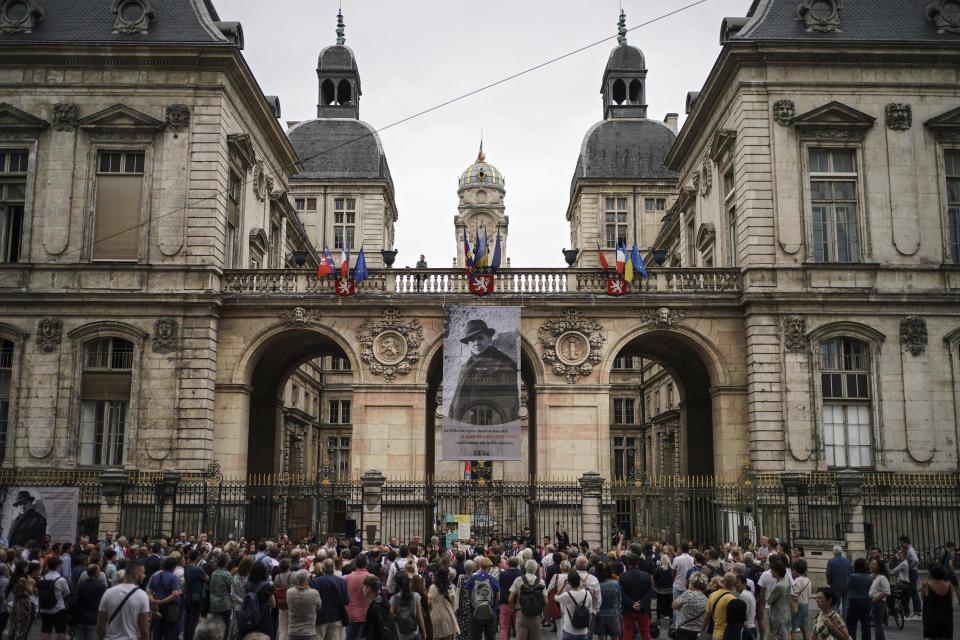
{"x":847,"y":403}
{"x":619,"y":91}
{"x":344,"y":93}
{"x":6,"y":378}
{"x":635,"y":96}
{"x":107,"y":369}
{"x":327,"y":92}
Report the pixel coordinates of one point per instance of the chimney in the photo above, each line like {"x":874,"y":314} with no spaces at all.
{"x":671,"y":120}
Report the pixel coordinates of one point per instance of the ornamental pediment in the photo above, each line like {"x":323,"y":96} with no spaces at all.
{"x":13,"y":119}
{"x":121,"y":118}
{"x":834,"y":120}
{"x":945,"y":126}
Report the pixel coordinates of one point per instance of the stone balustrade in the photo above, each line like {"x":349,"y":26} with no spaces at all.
{"x":415,"y":282}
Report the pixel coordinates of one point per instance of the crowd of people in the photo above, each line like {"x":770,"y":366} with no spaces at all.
{"x":280,"y":589}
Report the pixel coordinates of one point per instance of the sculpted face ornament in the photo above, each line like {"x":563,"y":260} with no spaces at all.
{"x":65,"y":116}
{"x":165,"y":335}
{"x":913,"y":335}
{"x":49,"y":331}
{"x":662,"y":318}
{"x":783,"y":112}
{"x":899,"y":116}
{"x":299,"y":316}
{"x":794,"y":334}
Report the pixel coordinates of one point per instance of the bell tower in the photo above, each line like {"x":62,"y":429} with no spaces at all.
{"x":481,"y":190}
{"x":624,"y":88}
{"x":339,"y":79}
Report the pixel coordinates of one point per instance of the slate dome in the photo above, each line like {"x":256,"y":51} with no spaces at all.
{"x":339,"y":148}
{"x":630,"y":148}
{"x":481,"y":172}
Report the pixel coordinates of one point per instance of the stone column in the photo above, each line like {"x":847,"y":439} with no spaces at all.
{"x":168,"y":494}
{"x":372,"y":482}
{"x":850,"y":486}
{"x":112,"y":482}
{"x":591,"y":484}
{"x":792,"y":486}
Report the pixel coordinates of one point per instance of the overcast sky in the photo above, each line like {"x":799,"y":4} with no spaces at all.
{"x":415,"y":55}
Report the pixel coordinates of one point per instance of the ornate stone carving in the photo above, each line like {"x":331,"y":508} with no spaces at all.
{"x":49,"y":332}
{"x":299,"y":316}
{"x":913,"y":334}
{"x":165,"y":335}
{"x":662,"y":318}
{"x":572,"y":344}
{"x":269,"y":182}
{"x":946,"y":22}
{"x":783,"y":112}
{"x":177,"y":117}
{"x":390,"y":345}
{"x":19,"y":15}
{"x":820,"y":15}
{"x":696,"y":183}
{"x":259,"y":181}
{"x":795,"y":334}
{"x":899,"y":116}
{"x":65,"y":116}
{"x":133,"y":16}
{"x":706,"y":178}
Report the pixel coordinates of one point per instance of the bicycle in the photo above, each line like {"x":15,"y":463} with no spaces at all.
{"x":895,"y":605}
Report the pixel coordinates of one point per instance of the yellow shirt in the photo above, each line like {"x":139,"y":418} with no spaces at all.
{"x":719,"y":610}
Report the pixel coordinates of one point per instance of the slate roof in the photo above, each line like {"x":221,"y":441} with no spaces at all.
{"x":625,"y":148}
{"x":626,"y":57}
{"x":339,"y":149}
{"x":337,"y":57}
{"x":91,"y":21}
{"x":860,"y":21}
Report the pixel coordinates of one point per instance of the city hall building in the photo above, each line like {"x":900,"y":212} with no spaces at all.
{"x":160,"y":233}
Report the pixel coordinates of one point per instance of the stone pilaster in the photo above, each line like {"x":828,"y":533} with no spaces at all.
{"x":591,"y":484}
{"x":168,"y":502}
{"x":373,"y":482}
{"x":792,"y":487}
{"x":850,"y":484}
{"x":112,"y":483}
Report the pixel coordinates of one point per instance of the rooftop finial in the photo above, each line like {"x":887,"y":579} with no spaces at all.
{"x":622,"y":28}
{"x":340,"y":37}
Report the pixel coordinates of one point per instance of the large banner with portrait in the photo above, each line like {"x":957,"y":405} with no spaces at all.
{"x":481,"y":384}
{"x":30,"y":513}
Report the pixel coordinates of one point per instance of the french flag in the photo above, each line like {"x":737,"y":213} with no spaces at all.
{"x":621,"y":257}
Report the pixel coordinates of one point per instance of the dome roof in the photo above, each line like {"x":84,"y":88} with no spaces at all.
{"x":481,"y":173}
{"x":339,"y":149}
{"x":632,"y":148}
{"x":626,"y":58}
{"x":337,"y":57}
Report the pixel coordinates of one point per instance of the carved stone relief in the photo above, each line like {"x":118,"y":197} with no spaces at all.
{"x":706,"y":178}
{"x":19,"y":15}
{"x":259,"y":181}
{"x":572,"y":344}
{"x":662,"y":318}
{"x":794,"y":334}
{"x":390,"y":345}
{"x":913,"y":334}
{"x":177,"y":117}
{"x":899,"y":116}
{"x":783,"y":112}
{"x":65,"y":116}
{"x":820,"y":15}
{"x":165,"y":335}
{"x":299,"y":316}
{"x":946,"y":21}
{"x":49,"y":332}
{"x":133,"y":16}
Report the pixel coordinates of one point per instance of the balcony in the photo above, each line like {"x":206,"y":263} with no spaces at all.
{"x":534,"y":282}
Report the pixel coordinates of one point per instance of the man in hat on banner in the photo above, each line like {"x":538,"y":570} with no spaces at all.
{"x":29,"y":524}
{"x":487,"y":392}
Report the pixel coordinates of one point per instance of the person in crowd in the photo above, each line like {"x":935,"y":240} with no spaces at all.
{"x":406,"y":610}
{"x":418,"y":584}
{"x":636,"y":592}
{"x":238,"y":588}
{"x":937,"y":605}
{"x":839,"y":569}
{"x":379,"y":624}
{"x":858,"y":612}
{"x":572,"y":600}
{"x":879,"y":592}
{"x":607,"y":623}
{"x":221,"y":599}
{"x":24,"y":588}
{"x":484,"y":592}
{"x":195,"y":593}
{"x":736,"y":616}
{"x":778,"y":600}
{"x":913,"y":561}
{"x":258,"y":585}
{"x":947,"y":558}
{"x":53,"y":589}
{"x":715,"y":619}
{"x":443,"y":602}
{"x":744,"y":593}
{"x":164,"y":593}
{"x":690,"y":607}
{"x":465,"y":608}
{"x":303,"y":603}
{"x":332,"y":618}
{"x":124,"y":609}
{"x":682,"y":564}
{"x":829,"y":624}
{"x":89,"y":594}
{"x":663,"y":585}
{"x":506,"y":580}
{"x":801,"y":591}
{"x":281,"y":585}
{"x":211,"y":628}
{"x":357,"y":606}
{"x":528,"y":595}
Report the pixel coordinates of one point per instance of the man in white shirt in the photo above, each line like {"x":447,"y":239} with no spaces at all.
{"x":124,"y":612}
{"x":681,"y":565}
{"x":398,"y":565}
{"x":54,"y":618}
{"x":744,"y":594}
{"x":590,"y":582}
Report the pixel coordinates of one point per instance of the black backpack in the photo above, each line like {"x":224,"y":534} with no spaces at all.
{"x":580,"y":619}
{"x":406,"y":616}
{"x":251,"y":612}
{"x":47,"y":593}
{"x":380,"y":622}
{"x":530,"y":597}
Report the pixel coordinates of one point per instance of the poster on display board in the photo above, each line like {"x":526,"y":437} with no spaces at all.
{"x":481,"y":383}
{"x":30,"y":513}
{"x":457,"y":528}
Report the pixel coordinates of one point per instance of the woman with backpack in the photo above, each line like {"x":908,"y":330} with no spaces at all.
{"x":281,"y":583}
{"x":464,"y":610}
{"x":443,"y":603}
{"x":575,"y":603}
{"x":419,"y":586}
{"x":555,"y":587}
{"x":406,"y":611}
{"x":258,"y":600}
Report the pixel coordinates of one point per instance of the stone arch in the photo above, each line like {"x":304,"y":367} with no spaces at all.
{"x":328,"y":92}
{"x":707,"y":351}
{"x":255,"y":348}
{"x":619,"y":93}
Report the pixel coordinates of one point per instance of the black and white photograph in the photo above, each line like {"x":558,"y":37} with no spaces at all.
{"x":481,"y":383}
{"x":30,"y":513}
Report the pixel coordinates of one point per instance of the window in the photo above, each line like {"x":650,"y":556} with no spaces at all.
{"x":833,"y":194}
{"x":305,"y":204}
{"x":655,"y":204}
{"x":624,"y":456}
{"x":731,"y":205}
{"x":339,"y":412}
{"x":691,"y":243}
{"x":337,"y":455}
{"x":339,"y":363}
{"x":616,"y":221}
{"x":845,"y":387}
{"x":344,"y":222}
{"x":13,"y":192}
{"x":116,"y":231}
{"x":275,"y":250}
{"x":231,"y":249}
{"x":623,"y":411}
{"x":669,"y":395}
{"x":105,"y":401}
{"x":295,"y":396}
{"x":952,"y":161}
{"x":6,"y":380}
{"x":623,"y":362}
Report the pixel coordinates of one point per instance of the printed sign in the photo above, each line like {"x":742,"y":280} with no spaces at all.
{"x":30,"y":513}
